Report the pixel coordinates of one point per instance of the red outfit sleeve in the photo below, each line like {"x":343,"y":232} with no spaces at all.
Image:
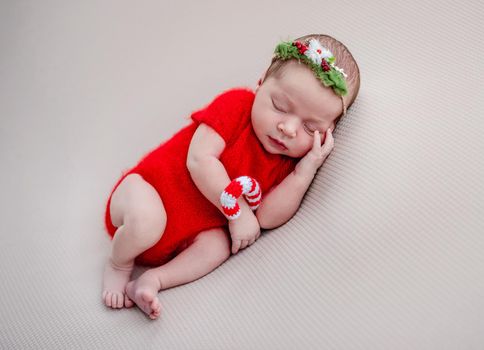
{"x":225,"y":113}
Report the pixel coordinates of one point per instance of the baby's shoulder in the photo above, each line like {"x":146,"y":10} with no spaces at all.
{"x":232,"y":103}
{"x":228,"y":113}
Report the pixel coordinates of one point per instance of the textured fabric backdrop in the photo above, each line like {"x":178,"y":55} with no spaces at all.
{"x":387,"y":249}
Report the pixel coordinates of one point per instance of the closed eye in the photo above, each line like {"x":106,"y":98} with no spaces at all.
{"x":309,"y":128}
{"x":277,"y":108}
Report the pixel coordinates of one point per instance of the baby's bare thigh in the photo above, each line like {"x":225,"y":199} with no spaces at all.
{"x":135,"y":196}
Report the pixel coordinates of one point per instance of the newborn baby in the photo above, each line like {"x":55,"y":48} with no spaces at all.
{"x":167,"y":212}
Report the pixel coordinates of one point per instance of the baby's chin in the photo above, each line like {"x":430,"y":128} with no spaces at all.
{"x":291,"y":154}
{"x":269,"y":149}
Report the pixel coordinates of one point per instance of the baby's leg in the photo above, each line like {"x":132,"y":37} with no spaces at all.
{"x":208,"y":250}
{"x":137,"y":211}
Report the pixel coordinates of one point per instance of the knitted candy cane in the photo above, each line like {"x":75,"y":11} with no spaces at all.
{"x":245,"y":185}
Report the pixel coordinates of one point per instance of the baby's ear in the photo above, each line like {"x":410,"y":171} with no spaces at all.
{"x":261,"y":80}
{"x":259,"y":83}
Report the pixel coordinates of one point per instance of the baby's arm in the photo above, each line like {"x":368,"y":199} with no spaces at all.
{"x":211,"y":178}
{"x":205,"y":168}
{"x":282,"y":201}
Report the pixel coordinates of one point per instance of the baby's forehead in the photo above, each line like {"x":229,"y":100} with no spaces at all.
{"x":287,"y":67}
{"x":296,"y":73}
{"x":300,"y":79}
{"x":298,"y":85}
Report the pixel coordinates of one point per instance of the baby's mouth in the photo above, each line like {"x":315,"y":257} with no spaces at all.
{"x":278,"y":143}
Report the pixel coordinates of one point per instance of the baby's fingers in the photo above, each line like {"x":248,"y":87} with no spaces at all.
{"x":235,"y":245}
{"x":328,"y":142}
{"x":316,"y":140}
{"x":244,"y":244}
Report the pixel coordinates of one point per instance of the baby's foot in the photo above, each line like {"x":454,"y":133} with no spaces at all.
{"x":114,"y":284}
{"x":143,"y":292}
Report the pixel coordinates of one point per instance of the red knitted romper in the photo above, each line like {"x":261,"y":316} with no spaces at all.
{"x":188,"y":211}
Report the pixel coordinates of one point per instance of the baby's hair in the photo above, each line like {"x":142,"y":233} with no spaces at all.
{"x":344,"y":60}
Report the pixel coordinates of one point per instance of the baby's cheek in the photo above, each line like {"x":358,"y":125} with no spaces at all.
{"x":308,"y":147}
{"x":256,"y":129}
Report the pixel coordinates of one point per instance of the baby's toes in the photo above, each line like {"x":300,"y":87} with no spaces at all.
{"x":114,"y":300}
{"x":118,"y":302}
{"x":107,"y":297}
{"x":155,"y":308}
{"x":127,"y":301}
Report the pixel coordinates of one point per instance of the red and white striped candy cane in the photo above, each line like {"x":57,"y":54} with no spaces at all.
{"x":243,"y":185}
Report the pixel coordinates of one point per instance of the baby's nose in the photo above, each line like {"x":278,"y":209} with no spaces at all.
{"x":288,"y":128}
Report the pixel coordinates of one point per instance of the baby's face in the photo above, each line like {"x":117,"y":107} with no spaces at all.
{"x":290,"y":108}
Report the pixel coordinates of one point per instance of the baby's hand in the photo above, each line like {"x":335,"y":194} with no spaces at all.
{"x":244,"y":230}
{"x":311,"y":162}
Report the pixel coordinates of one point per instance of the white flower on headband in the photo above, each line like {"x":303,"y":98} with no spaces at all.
{"x":316,"y":52}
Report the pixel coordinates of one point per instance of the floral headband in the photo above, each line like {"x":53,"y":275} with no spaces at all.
{"x":320,"y":60}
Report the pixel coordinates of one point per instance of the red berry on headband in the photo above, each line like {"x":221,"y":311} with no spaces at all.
{"x":300,"y":47}
{"x":325,"y":65}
